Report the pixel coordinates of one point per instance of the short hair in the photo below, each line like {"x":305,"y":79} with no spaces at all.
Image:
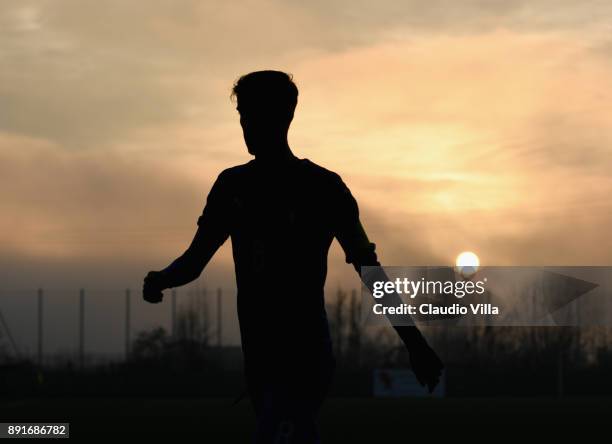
{"x":270,"y":90}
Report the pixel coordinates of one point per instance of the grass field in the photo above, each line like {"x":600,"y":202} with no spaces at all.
{"x":342,"y":420}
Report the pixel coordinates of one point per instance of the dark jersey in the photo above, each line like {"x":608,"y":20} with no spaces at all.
{"x":282,"y":219}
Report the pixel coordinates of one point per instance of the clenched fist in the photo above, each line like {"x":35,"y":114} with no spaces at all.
{"x":152,"y":287}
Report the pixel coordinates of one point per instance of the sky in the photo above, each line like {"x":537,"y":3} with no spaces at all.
{"x":457,"y":124}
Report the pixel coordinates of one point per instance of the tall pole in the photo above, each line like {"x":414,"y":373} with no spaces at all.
{"x":40,"y":327}
{"x":205,"y":327}
{"x":560,"y":380}
{"x":127,"y":323}
{"x":219,"y":318}
{"x":173,"y":314}
{"x":81,"y":328}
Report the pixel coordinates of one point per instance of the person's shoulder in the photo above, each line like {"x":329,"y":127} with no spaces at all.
{"x":327,"y":182}
{"x":322,"y":173}
{"x":230,"y":179}
{"x":235,"y":172}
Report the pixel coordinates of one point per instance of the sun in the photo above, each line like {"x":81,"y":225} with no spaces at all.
{"x":467,"y":263}
{"x":467,"y":259}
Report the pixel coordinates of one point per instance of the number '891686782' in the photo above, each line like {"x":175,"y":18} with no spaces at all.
{"x":41,"y":430}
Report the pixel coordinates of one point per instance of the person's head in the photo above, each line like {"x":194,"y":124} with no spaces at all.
{"x":266,"y":101}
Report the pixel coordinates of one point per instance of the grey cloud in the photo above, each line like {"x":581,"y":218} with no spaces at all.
{"x":93,"y":205}
{"x":449,"y":16}
{"x":85,"y":72}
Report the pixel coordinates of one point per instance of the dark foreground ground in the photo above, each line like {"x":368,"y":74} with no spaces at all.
{"x":342,"y":420}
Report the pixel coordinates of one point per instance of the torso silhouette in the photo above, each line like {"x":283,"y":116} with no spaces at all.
{"x":282,"y":218}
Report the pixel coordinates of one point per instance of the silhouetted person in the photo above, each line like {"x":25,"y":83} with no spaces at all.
{"x":282,"y":213}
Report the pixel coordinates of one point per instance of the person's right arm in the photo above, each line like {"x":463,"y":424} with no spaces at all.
{"x":212,"y":232}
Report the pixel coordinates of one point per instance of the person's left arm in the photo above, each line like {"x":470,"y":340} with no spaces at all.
{"x":361,"y":252}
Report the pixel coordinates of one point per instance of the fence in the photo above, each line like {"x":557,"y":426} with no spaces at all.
{"x":41,"y":324}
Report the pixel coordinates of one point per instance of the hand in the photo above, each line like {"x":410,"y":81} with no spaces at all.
{"x":152,"y":287}
{"x":424,"y":361}
{"x":426,"y":365}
